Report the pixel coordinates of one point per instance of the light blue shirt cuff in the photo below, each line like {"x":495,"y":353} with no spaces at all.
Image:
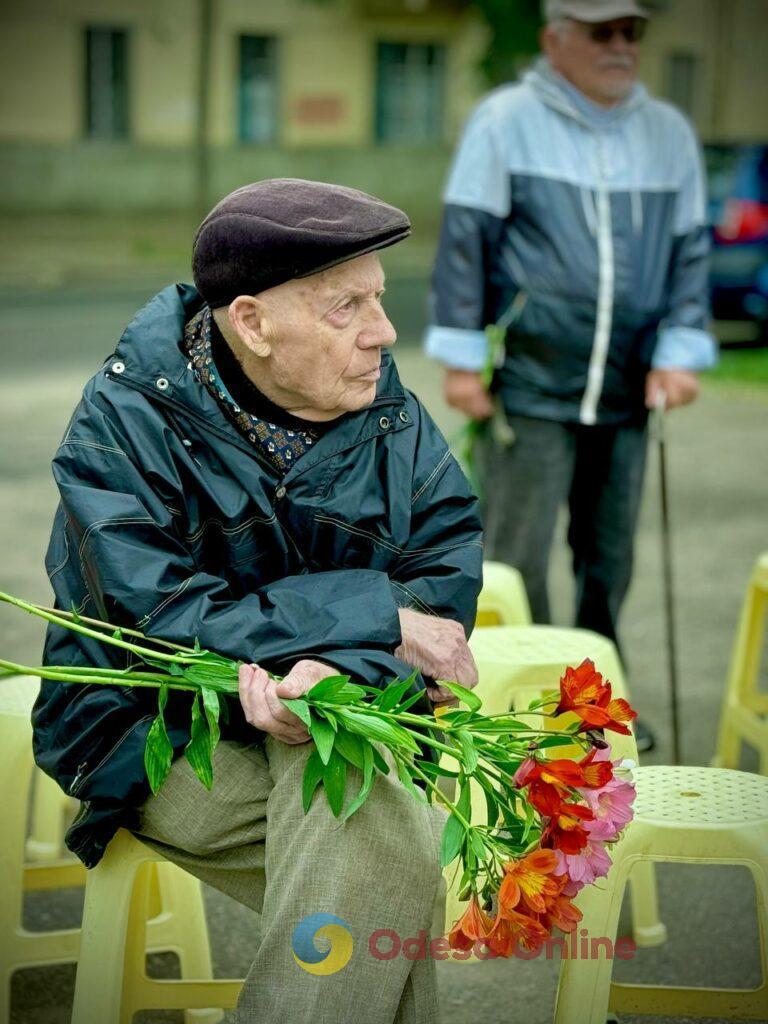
{"x":684,"y":348}
{"x":458,"y":348}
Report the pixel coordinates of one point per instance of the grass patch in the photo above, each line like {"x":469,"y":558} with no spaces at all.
{"x":742,"y":366}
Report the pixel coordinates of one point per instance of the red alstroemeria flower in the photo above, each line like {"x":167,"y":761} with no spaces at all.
{"x":474,"y":924}
{"x":529,"y":880}
{"x":565,"y":829}
{"x":597,"y":773}
{"x":528,"y":932}
{"x":549,"y":782}
{"x":516,"y":930}
{"x":561,"y":914}
{"x":583,"y":692}
{"x":502,"y":939}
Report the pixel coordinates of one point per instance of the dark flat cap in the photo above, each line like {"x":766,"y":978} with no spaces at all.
{"x":273,"y":231}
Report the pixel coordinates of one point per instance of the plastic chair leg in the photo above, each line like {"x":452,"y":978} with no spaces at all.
{"x":647,"y":929}
{"x":584,"y":990}
{"x":104,"y":937}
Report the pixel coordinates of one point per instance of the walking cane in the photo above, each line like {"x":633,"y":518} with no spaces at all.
{"x":659,"y":431}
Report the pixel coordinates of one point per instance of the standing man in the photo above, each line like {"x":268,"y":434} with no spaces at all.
{"x":574,"y":218}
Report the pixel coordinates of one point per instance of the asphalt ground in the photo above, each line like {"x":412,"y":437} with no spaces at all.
{"x":51,"y":341}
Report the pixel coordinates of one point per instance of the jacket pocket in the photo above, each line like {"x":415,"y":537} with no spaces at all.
{"x":83,"y":774}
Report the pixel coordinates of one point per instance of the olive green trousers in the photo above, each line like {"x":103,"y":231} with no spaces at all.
{"x":378,"y":872}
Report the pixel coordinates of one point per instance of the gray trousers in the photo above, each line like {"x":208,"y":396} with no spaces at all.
{"x":249,"y":837}
{"x":598,"y":471}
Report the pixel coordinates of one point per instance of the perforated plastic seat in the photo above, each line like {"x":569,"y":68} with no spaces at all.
{"x":686,"y":815}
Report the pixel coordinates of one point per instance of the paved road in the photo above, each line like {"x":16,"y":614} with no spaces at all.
{"x":49,"y":344}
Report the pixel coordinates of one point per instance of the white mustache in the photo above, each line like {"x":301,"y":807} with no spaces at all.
{"x":620,"y":60}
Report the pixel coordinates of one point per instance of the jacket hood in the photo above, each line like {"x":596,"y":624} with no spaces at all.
{"x":558,"y":93}
{"x":150,"y":351}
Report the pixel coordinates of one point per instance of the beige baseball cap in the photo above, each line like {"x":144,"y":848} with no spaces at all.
{"x":594,"y":10}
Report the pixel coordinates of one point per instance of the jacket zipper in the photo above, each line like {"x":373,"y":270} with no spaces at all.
{"x":80,"y":779}
{"x":605,"y":287}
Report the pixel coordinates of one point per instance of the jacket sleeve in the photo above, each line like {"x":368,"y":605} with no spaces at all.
{"x":684,"y":340}
{"x":476,"y":205}
{"x":138,"y":571}
{"x":440,"y":571}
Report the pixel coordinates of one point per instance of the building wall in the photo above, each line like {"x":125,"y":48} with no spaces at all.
{"x":327,"y":71}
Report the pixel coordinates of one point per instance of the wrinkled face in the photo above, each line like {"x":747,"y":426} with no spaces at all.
{"x":599,"y":59}
{"x":314,"y":344}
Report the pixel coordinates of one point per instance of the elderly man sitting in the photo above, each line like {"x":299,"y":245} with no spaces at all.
{"x":248,"y":470}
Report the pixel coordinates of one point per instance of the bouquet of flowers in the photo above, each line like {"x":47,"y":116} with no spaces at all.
{"x":547,"y":822}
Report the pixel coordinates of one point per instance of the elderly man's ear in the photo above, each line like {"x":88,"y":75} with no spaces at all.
{"x":248,"y":318}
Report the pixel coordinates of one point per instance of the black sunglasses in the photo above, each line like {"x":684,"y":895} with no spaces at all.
{"x":605,"y":31}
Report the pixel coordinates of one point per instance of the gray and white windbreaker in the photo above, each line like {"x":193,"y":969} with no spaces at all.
{"x":585,"y":229}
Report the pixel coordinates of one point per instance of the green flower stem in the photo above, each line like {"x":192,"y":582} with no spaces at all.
{"x":72,"y":617}
{"x":415,"y":770}
{"x":84,"y":678}
{"x":57,"y":620}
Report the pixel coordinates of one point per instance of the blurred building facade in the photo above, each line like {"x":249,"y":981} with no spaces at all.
{"x":102,"y":101}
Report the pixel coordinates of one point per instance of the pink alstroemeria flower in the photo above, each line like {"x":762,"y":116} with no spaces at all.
{"x":590,"y":863}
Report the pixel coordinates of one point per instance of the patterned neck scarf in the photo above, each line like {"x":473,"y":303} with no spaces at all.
{"x":281,"y":446}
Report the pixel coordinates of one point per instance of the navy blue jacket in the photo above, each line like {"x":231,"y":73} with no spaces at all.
{"x":170,"y":522}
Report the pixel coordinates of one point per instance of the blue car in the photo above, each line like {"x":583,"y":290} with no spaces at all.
{"x":738,"y":215}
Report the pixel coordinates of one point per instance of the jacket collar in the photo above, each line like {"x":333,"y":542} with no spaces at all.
{"x":152,"y":359}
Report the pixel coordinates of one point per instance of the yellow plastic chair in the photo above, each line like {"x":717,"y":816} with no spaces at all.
{"x":111,"y":983}
{"x":503,"y":600}
{"x":744,"y":716}
{"x":517,"y":664}
{"x":175,"y":908}
{"x":689,"y":816}
{"x":50,"y":808}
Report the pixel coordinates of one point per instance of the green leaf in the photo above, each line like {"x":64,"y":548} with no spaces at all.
{"x":350,"y":747}
{"x":212,"y":708}
{"x":393,"y":694}
{"x":313,"y":773}
{"x":368,"y":777}
{"x":408,"y":782}
{"x":196,"y":646}
{"x":420,"y":695}
{"x":117,"y":635}
{"x":430,"y":768}
{"x":464,"y":803}
{"x":367,"y":724}
{"x":299,"y":707}
{"x":334,"y":781}
{"x":451,"y":841}
{"x":491,"y":803}
{"x":322,"y":733}
{"x":468,"y":697}
{"x":158,"y":752}
{"x":554,"y":741}
{"x":349,"y":694}
{"x":468,"y":752}
{"x":379,"y":763}
{"x":477,"y":844}
{"x":332,"y":719}
{"x":529,"y":816}
{"x":326,"y":688}
{"x":198,"y":750}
